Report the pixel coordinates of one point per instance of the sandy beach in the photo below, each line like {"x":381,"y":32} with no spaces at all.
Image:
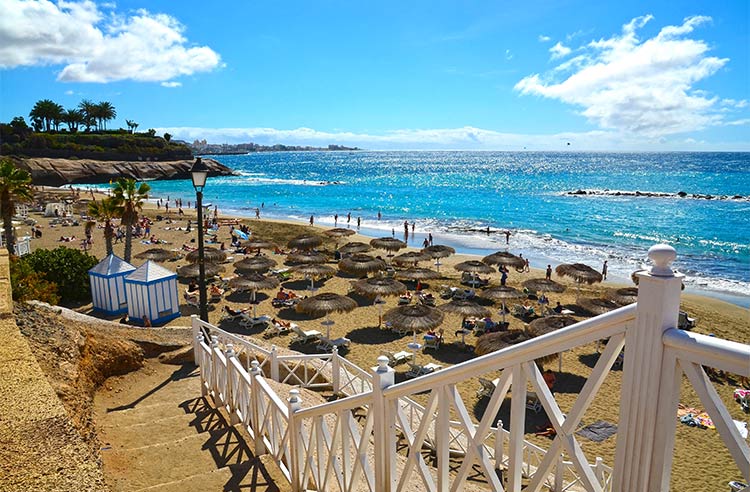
{"x":368,"y":340}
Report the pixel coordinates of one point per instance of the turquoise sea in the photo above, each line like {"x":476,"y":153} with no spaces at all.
{"x":455,"y":196}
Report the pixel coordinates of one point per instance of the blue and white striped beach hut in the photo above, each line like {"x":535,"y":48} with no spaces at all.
{"x":108,"y":285}
{"x":152,"y":291}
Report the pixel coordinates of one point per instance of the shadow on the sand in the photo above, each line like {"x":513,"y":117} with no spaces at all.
{"x":372,"y":335}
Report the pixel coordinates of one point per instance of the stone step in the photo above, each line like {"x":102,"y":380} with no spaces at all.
{"x":177,"y":459}
{"x":249,"y":475}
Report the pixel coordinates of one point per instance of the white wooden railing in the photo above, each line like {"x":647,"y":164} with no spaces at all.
{"x":375,"y":436}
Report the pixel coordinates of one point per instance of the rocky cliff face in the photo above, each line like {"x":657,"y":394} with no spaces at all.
{"x":59,"y":172}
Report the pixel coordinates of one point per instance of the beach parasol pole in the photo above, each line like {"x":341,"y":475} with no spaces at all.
{"x":254,"y":306}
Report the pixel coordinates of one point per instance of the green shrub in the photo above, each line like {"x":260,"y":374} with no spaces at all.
{"x":67,"y":268}
{"x":30,"y":285}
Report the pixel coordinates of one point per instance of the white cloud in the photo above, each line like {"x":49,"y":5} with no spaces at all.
{"x":639,"y":87}
{"x":171,"y":84}
{"x":96,"y":45}
{"x":464,"y":138}
{"x":69,"y":92}
{"x":744,"y":121}
{"x":544,"y":39}
{"x":559,"y":50}
{"x":508,"y":55}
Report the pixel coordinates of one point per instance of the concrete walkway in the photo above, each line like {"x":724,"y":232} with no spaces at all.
{"x":156,"y":435}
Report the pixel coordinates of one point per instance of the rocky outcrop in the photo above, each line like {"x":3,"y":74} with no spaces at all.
{"x":60,"y":172}
{"x":656,"y":194}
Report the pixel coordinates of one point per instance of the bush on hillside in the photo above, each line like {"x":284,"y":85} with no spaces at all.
{"x":30,"y":285}
{"x":67,"y":268}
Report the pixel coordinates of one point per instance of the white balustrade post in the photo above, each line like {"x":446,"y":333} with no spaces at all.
{"x":499,"y":445}
{"x":198,"y":357}
{"x":599,"y":470}
{"x":256,"y":399}
{"x":215,"y":363}
{"x":232,"y":376}
{"x":274,"y":364}
{"x":640,"y":460}
{"x":559,"y":474}
{"x":335,"y":371}
{"x":296,"y":446}
{"x":196,"y":343}
{"x":383,"y":433}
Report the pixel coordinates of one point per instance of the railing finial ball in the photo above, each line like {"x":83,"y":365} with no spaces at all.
{"x":662,"y":256}
{"x":294,"y":395}
{"x":382,"y":363}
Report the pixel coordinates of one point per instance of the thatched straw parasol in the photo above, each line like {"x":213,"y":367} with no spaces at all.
{"x":414,"y":317}
{"x":254,"y":264}
{"x":501,"y":294}
{"x":339,"y":232}
{"x":313,"y":271}
{"x":465,"y":308}
{"x":473,"y":266}
{"x":254,"y":282}
{"x":307,"y":257}
{"x":158,"y":254}
{"x":379,"y":286}
{"x":504,"y":258}
{"x":210,"y":255}
{"x":438,"y":251}
{"x":492,"y":342}
{"x":544,"y":285}
{"x":305,"y":241}
{"x":580,"y":273}
{"x":361,"y":264}
{"x":548,"y":324}
{"x":258,"y":243}
{"x":598,"y":305}
{"x":410,"y":258}
{"x":388,"y":243}
{"x":354,"y":247}
{"x":191,"y":271}
{"x":417,"y":274}
{"x":326,"y":303}
{"x":623,"y":296}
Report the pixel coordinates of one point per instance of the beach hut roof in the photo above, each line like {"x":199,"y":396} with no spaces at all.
{"x":112,"y":265}
{"x":150,"y":272}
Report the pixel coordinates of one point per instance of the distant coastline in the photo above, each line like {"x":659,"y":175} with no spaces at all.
{"x":201,"y":147}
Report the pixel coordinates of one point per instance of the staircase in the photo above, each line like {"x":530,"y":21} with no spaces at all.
{"x":157,"y":436}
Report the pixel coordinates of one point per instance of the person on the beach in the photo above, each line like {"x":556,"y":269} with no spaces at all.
{"x":335,"y":220}
{"x":507,"y":237}
{"x":503,"y":278}
{"x":526,"y":266}
{"x":604,"y":270}
{"x":359,"y":221}
{"x":379,"y":215}
{"x":425,"y":243}
{"x":393,"y":232}
{"x":348,"y":218}
{"x":257,"y":213}
{"x":548,"y":275}
{"x":413,"y":226}
{"x":312,"y":219}
{"x":429,"y":236}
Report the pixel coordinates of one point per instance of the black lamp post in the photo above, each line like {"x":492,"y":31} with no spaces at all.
{"x":199,"y":173}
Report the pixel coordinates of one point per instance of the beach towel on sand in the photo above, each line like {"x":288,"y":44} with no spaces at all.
{"x":598,"y":431}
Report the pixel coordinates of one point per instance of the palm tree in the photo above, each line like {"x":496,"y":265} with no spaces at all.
{"x":105,"y":112}
{"x":132,"y":125}
{"x":89,"y":113}
{"x":73,"y":118}
{"x":105,"y":210}
{"x":15,"y":186}
{"x":48,"y":112}
{"x":129,"y":197}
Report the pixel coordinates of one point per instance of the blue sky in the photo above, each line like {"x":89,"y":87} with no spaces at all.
{"x":394,"y":75}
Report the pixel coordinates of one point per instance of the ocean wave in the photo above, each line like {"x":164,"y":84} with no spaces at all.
{"x":654,"y":194}
{"x":259,"y":180}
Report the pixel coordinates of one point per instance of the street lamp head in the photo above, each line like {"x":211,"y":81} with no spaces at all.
{"x":199,"y":173}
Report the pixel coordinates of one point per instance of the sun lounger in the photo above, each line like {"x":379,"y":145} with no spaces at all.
{"x":231,"y":316}
{"x":277,"y":329}
{"x":282,"y":303}
{"x":417,"y":370}
{"x":304,"y":336}
{"x":249,"y":322}
{"x":685,"y":322}
{"x":327,"y":344}
{"x":192,"y":300}
{"x":396,"y":358}
{"x":431,"y":342}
